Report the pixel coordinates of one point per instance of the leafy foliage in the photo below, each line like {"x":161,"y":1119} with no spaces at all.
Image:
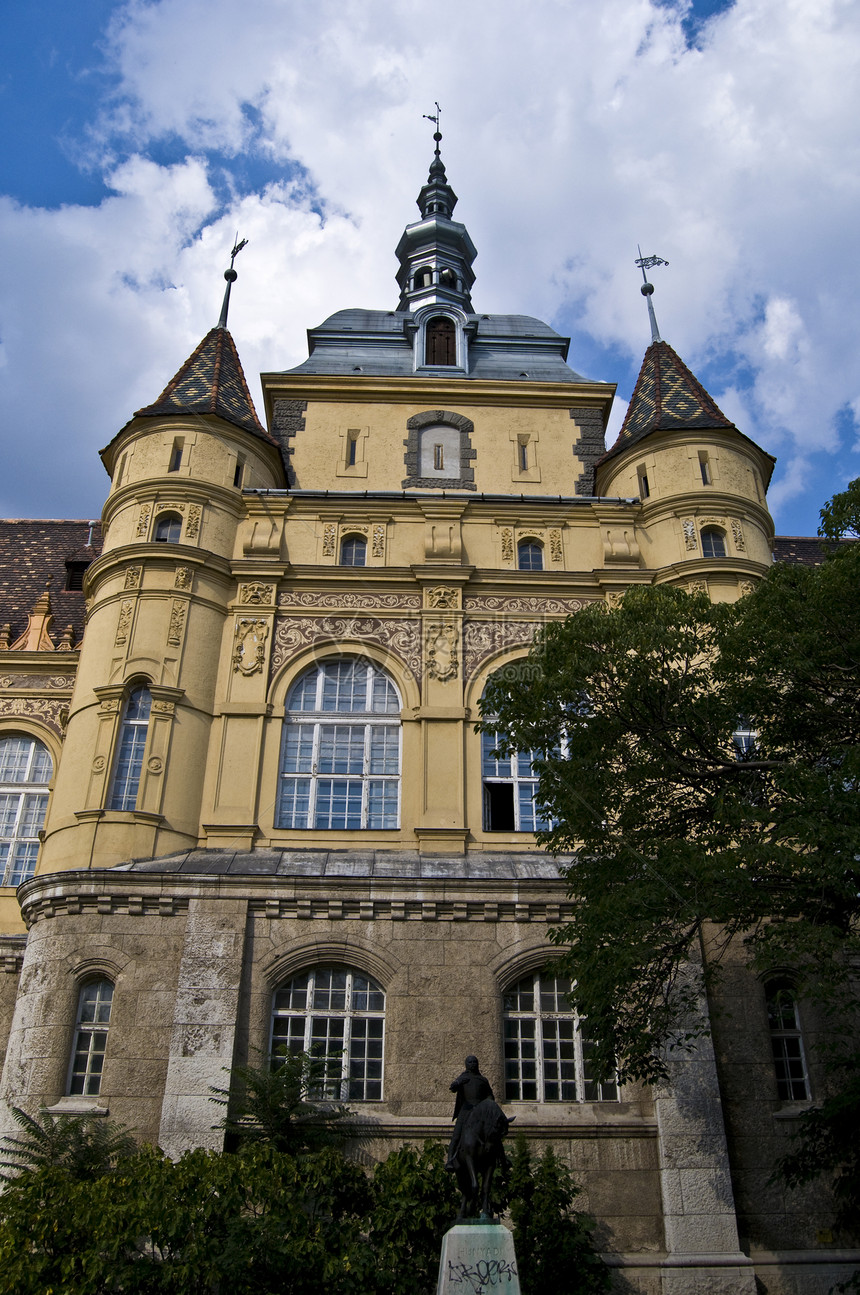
{"x":673,"y":825}
{"x":262,"y":1222}
{"x":276,"y":1103}
{"x":554,"y":1244}
{"x":840,"y":516}
{"x":414,"y":1203}
{"x":84,"y":1146}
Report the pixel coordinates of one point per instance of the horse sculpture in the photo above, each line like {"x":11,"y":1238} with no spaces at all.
{"x":479,"y":1154}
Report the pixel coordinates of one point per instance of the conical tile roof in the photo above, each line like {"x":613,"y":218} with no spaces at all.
{"x":211,"y":381}
{"x":666,"y":398}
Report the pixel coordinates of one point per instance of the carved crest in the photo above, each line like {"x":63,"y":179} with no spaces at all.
{"x":250,"y":647}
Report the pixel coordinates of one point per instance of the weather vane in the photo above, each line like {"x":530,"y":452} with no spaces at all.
{"x":437,"y":122}
{"x":231,"y":276}
{"x":647,"y":289}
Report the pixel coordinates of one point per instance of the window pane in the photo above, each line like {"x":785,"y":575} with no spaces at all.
{"x":342,"y":1019}
{"x":24,"y":763}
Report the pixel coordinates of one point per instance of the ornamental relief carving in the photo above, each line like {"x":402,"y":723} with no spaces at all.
{"x":166,"y":708}
{"x":48,"y":709}
{"x":329,"y":540}
{"x":182,"y":579}
{"x":132,"y":577}
{"x":378,"y":548}
{"x":350,"y":601}
{"x":555,"y":551}
{"x":192,"y":525}
{"x":442,"y":660}
{"x":249,"y":652}
{"x":738,"y":536}
{"x":507,"y":538}
{"x":177,"y":622}
{"x":122,"y":627}
{"x":143,"y":519}
{"x":444,"y":598}
{"x":482,"y":639}
{"x":256,"y":593}
{"x":689,"y":526}
{"x":400,"y":636}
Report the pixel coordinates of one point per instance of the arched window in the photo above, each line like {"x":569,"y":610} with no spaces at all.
{"x":440,"y":341}
{"x":129,"y":758}
{"x":546,"y":1055}
{"x":168,"y":528}
{"x":713,"y":542}
{"x":91,"y":1032}
{"x":339,"y":1014}
{"x":529,"y":555}
{"x":25,"y":769}
{"x":340,"y":758}
{"x":353,"y":551}
{"x":786,"y":1041}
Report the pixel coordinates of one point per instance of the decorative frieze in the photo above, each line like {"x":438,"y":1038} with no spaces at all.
{"x":534,"y":605}
{"x":321,"y":908}
{"x":348,"y":601}
{"x":37,"y":681}
{"x":482,"y":639}
{"x":48,"y":709}
{"x":401,"y":636}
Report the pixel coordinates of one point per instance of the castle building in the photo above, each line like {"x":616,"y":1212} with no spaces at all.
{"x":246,"y":805}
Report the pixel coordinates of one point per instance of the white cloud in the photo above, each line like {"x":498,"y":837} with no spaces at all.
{"x":573,"y":131}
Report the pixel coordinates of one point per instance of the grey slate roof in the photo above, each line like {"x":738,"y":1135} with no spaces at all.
{"x":378,"y":343}
{"x":389,"y":865}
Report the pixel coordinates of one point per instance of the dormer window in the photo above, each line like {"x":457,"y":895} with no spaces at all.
{"x":440,"y":341}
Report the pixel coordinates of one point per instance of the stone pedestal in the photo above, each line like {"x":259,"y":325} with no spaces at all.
{"x":478,"y":1259}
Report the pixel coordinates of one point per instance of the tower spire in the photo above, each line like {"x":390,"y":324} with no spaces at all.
{"x":647,"y":289}
{"x":436,"y":252}
{"x":231,"y":276}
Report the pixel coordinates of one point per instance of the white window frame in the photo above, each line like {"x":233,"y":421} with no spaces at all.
{"x":26,"y":768}
{"x":92,"y":1023}
{"x":786,"y":1040}
{"x":131,"y":747}
{"x":349,"y":1032}
{"x":514,"y":771}
{"x":546,"y":1054}
{"x":309,"y":788}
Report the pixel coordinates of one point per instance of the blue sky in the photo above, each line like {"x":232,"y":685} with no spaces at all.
{"x":138,"y":137}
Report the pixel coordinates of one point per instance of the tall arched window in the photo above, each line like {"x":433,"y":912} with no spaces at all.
{"x":546,"y":1055}
{"x":25,"y":769}
{"x":713,"y":542}
{"x":338,"y":1014}
{"x":340,"y":757}
{"x":529,"y":555}
{"x":440,"y":345}
{"x":786,"y":1041}
{"x":132,"y":741}
{"x":91,"y":1032}
{"x":353,"y":551}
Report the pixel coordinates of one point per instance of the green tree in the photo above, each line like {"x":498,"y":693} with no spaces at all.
{"x":414,"y":1203}
{"x":279,"y":1103}
{"x":554,"y":1243}
{"x":702,"y":763}
{"x":85,"y":1146}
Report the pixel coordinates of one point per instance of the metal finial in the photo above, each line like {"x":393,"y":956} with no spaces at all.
{"x":231,"y":276}
{"x":436,"y":118}
{"x":647,"y":289}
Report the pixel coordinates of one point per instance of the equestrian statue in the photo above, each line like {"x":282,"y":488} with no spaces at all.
{"x":476,"y":1150}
